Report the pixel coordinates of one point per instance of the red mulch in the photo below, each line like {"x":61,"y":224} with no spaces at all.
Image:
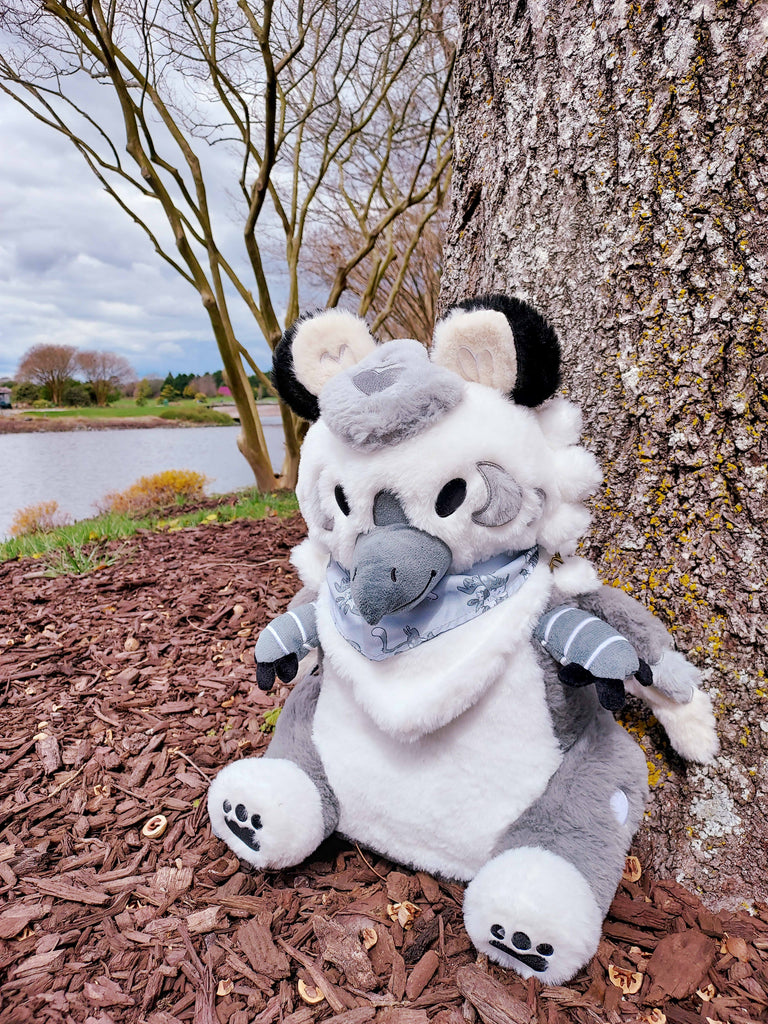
{"x":121,"y":693}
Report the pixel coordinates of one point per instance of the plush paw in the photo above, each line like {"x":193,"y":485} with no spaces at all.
{"x":267,"y":810}
{"x":242,"y":824}
{"x":534,"y":912}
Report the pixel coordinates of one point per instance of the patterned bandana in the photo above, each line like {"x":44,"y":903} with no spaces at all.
{"x":457,"y":598}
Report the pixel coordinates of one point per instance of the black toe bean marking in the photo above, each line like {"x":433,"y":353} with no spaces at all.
{"x":538,"y":961}
{"x":244,"y":832}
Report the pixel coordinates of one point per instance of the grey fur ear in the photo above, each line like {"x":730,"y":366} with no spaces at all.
{"x":502,"y":342}
{"x":504,"y":500}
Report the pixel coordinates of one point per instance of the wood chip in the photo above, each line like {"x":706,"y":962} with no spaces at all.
{"x":345,"y":951}
{"x":65,"y":891}
{"x":492,"y":1000}
{"x":422,"y":974}
{"x":202,"y":921}
{"x":16,"y":918}
{"x":255,"y":940}
{"x":679,"y":963}
{"x":49,"y":752}
{"x":106,"y":992}
{"x":737,"y":947}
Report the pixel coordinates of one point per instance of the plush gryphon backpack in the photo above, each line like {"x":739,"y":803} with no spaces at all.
{"x":449,"y":723}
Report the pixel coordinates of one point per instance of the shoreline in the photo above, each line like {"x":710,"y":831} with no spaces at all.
{"x":20,"y":422}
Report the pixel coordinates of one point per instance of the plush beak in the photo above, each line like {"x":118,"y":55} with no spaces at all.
{"x":394,"y":568}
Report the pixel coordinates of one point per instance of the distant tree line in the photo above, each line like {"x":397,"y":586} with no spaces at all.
{"x":62,"y":375}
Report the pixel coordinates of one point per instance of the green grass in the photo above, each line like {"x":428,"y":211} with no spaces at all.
{"x":126,"y":407}
{"x":197,"y":414}
{"x":79,"y":547}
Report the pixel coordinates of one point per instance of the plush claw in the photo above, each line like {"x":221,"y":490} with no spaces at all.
{"x":610,"y":692}
{"x":265,"y":675}
{"x":644,"y":674}
{"x":287,"y":667}
{"x":575,"y":675}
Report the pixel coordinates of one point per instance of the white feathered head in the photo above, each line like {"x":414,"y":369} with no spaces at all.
{"x":464,"y":442}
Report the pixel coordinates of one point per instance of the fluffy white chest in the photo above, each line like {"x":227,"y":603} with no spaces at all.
{"x":440,"y":802}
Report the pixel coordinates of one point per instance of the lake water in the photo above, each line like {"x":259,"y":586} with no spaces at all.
{"x":77,"y":468}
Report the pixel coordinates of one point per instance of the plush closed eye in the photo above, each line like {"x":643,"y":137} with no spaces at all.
{"x":341,"y":499}
{"x":451,"y":496}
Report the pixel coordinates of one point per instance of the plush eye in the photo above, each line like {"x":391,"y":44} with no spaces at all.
{"x":341,"y":499}
{"x":450,"y":497}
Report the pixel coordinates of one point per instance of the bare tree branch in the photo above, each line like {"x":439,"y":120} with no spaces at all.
{"x":314,"y":113}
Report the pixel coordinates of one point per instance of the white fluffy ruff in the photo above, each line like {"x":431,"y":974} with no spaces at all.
{"x":286,"y":800}
{"x":453,"y":670}
{"x":532,"y":890}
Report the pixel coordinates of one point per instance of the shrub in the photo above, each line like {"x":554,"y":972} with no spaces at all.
{"x":40,"y":518}
{"x":25,"y":393}
{"x":42,"y":403}
{"x":198,"y":415}
{"x":77,"y":394}
{"x":172,"y":487}
{"x":143,"y":392}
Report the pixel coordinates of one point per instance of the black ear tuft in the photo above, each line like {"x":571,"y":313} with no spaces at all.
{"x":294,"y":394}
{"x":536,"y":346}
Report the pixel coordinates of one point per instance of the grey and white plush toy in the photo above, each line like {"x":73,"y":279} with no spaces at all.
{"x":449,"y":724}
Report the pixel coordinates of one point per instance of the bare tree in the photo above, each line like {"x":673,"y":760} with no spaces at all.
{"x":398,"y":284}
{"x":315,"y":103}
{"x":105,"y":372}
{"x":611,"y":164}
{"x":204,"y":385}
{"x":49,"y":366}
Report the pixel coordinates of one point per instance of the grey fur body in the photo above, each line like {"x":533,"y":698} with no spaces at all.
{"x":293,"y":741}
{"x":599,"y":757}
{"x":573,"y":818}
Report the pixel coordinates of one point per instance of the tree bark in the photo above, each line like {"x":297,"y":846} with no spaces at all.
{"x":610,"y":166}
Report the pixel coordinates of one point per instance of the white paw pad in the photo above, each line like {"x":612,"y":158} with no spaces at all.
{"x":533,"y":912}
{"x":267,"y":810}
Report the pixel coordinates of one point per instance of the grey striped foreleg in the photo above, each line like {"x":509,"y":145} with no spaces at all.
{"x":282,"y":644}
{"x":590,"y":651}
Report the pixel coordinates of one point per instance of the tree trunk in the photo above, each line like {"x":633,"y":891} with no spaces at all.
{"x":610,"y":166}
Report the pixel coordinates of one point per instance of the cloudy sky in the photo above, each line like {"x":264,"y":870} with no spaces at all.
{"x":74,"y":269}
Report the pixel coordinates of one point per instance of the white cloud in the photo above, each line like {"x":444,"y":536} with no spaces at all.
{"x":75,"y":269}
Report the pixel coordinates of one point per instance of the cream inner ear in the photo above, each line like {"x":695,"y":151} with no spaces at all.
{"x":479,"y":346}
{"x":326,"y":344}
